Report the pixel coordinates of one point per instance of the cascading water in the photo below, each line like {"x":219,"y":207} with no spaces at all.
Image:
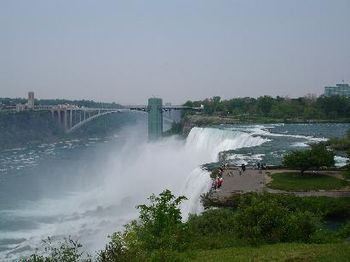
{"x":212,"y":141}
{"x":126,"y":177}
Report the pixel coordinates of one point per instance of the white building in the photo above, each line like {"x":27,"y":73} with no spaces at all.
{"x":337,"y":90}
{"x":30,"y":103}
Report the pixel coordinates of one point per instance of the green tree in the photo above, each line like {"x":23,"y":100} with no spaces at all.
{"x":334,"y":106}
{"x":158,"y":232}
{"x":160,"y":224}
{"x":315,"y":157}
{"x":265,"y":104}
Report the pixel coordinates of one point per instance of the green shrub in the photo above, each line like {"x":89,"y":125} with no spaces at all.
{"x":261,"y":222}
{"x":301,"y":225}
{"x":344,"y":232}
{"x":265,"y":220}
{"x":212,"y":229}
{"x":324,"y":236}
{"x":212,"y":222}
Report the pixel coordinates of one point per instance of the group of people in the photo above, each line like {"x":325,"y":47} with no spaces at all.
{"x":218,"y":181}
{"x":261,"y":165}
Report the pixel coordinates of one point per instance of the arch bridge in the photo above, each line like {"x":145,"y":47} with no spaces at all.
{"x":71,"y":118}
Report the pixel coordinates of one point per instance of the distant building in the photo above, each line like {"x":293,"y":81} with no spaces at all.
{"x":20,"y":107}
{"x":337,"y":90}
{"x":30,"y":103}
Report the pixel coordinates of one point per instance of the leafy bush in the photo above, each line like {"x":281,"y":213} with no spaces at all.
{"x":324,"y":236}
{"x":211,"y":222}
{"x":212,"y":229}
{"x":265,"y":219}
{"x":345,"y":230}
{"x":301,"y":225}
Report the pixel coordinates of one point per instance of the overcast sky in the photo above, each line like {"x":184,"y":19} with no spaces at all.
{"x":127,"y":51}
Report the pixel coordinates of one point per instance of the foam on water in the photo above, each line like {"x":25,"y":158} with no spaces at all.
{"x":239,"y":159}
{"x":341,"y":161}
{"x":215,"y":140}
{"x":263,"y":131}
{"x":300,"y":144}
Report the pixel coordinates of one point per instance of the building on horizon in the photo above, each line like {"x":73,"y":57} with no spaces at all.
{"x":337,"y":90}
{"x":30,"y":103}
{"x":27,"y":106}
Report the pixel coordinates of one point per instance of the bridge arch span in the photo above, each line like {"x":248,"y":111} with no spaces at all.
{"x":80,"y":124}
{"x":87,"y":120}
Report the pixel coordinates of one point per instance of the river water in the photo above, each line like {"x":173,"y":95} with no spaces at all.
{"x":89,"y":188}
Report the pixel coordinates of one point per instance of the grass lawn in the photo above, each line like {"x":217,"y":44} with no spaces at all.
{"x":292,"y":181}
{"x":278,"y":252}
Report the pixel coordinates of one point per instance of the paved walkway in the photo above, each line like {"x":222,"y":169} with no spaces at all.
{"x":235,"y":182}
{"x":253,"y":180}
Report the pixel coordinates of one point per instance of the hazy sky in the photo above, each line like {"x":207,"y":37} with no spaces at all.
{"x":127,"y":51}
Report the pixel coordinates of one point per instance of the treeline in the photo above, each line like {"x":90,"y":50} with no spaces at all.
{"x":82,"y":103}
{"x":304,"y":108}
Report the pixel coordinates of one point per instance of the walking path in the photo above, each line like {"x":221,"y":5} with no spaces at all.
{"x":240,"y":182}
{"x":253,"y":180}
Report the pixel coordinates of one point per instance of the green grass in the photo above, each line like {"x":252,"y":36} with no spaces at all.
{"x":278,"y":252}
{"x":291,"y":181}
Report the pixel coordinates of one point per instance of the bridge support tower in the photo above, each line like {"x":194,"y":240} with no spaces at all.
{"x":155,"y":118}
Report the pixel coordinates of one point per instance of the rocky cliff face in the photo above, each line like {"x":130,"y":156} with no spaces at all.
{"x":19,"y":129}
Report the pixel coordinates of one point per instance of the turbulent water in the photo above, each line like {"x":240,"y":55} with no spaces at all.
{"x":89,"y":188}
